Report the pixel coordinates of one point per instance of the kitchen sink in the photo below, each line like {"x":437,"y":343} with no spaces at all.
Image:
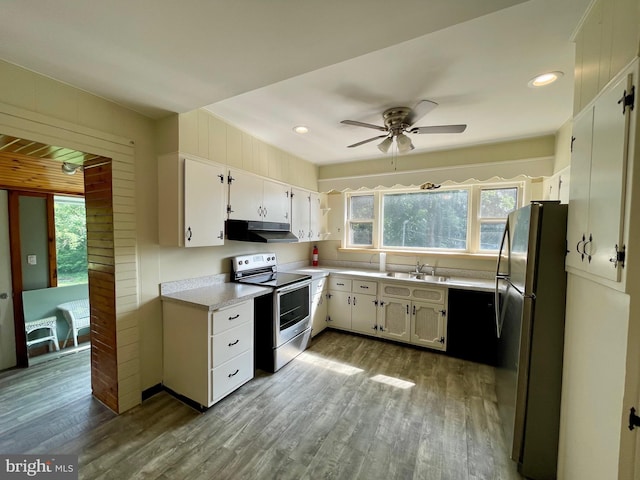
{"x":401,"y":275}
{"x":433,"y":278}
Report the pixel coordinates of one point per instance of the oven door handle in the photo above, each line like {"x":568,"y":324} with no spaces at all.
{"x":294,"y":286}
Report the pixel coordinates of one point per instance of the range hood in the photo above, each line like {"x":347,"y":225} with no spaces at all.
{"x":263,"y":232}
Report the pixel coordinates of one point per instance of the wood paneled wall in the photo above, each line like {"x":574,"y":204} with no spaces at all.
{"x":102,"y":284}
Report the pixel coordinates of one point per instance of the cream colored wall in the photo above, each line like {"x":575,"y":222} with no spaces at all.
{"x":563,"y":147}
{"x":530,"y":148}
{"x":204,"y":135}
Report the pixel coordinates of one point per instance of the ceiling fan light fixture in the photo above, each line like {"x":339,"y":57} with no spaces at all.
{"x":70,"y":168}
{"x":544,"y":79}
{"x":385,"y":144}
{"x":404,"y":143}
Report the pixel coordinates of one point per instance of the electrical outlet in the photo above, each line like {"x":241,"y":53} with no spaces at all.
{"x":31,"y":260}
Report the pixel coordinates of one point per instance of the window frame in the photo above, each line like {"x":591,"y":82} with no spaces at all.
{"x":474,"y":220}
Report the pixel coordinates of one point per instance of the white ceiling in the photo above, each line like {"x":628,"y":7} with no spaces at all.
{"x":265,"y":66}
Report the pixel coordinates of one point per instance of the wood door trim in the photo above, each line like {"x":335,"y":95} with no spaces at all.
{"x":51,"y":242}
{"x":22,"y":357}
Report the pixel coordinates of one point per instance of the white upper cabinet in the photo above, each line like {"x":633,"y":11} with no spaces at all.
{"x":598,"y":178}
{"x":306,"y":215}
{"x":255,"y":198}
{"x":191,"y":201}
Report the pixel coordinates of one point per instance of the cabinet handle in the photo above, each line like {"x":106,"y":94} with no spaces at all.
{"x":443,"y":312}
{"x":349,"y":300}
{"x":363,"y":286}
{"x":354,"y":299}
{"x":584,"y":248}
{"x":414,"y":309}
{"x":234,"y":317}
{"x":234,"y":373}
{"x":259,"y":211}
{"x":265,"y":212}
{"x":340,"y":284}
{"x":407,"y":309}
{"x":234,"y":343}
{"x":189,"y":234}
{"x":221,"y":236}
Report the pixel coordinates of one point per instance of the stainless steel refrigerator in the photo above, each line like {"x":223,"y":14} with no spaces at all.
{"x":530,"y":309}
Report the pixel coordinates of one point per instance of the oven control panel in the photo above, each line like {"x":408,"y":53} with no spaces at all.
{"x":255,"y":261}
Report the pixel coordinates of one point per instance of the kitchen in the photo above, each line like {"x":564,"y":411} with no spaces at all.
{"x":160,"y":264}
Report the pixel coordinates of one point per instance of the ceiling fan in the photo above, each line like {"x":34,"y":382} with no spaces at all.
{"x":400,"y":120}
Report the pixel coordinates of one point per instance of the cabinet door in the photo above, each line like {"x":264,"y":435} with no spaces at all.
{"x":315,"y":217}
{"x":340,"y":309}
{"x":428,"y":325}
{"x":395,"y":319}
{"x":363,"y":313}
{"x":579,"y":190}
{"x":276,"y":202}
{"x":245,"y":196}
{"x":203,"y":204}
{"x":318,"y":313}
{"x":300,"y":214}
{"x":608,"y":178}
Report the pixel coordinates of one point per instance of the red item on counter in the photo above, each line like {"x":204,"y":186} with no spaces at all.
{"x":314,"y":261}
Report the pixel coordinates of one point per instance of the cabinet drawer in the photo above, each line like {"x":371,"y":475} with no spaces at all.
{"x":362,"y":286}
{"x":432,"y":295}
{"x":396,"y":290}
{"x":232,"y":316}
{"x":230,"y":375}
{"x":340,"y":284}
{"x":231,"y":343}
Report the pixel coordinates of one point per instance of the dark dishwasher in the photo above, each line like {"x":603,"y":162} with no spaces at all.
{"x":471,"y":330}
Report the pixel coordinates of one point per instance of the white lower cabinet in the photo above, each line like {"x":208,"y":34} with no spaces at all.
{"x":207,"y":354}
{"x":349,"y":309}
{"x":394,"y":319}
{"x":428,"y":325}
{"x":405,"y":312}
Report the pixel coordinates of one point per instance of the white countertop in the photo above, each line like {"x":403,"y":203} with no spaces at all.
{"x":462,"y":283}
{"x":216,"y":296}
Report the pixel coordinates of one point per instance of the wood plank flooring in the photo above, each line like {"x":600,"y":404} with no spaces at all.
{"x":349,"y":407}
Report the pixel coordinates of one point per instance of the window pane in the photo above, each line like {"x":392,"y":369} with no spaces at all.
{"x":71,"y":240}
{"x":361,"y":207}
{"x":426,"y":219}
{"x":491,"y":235}
{"x":361,"y":234}
{"x":498,"y":202}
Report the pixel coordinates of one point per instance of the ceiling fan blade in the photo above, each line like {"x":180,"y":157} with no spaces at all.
{"x":366,"y":141}
{"x":362,"y":124}
{"x":420,"y":110}
{"x":439,"y":129}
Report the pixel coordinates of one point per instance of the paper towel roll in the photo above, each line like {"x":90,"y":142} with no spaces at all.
{"x":383,"y":262}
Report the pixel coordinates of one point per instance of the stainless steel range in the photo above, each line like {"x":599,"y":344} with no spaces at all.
{"x":282,"y":318}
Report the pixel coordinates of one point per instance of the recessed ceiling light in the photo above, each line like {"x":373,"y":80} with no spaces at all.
{"x":301,"y":129}
{"x":544,"y":79}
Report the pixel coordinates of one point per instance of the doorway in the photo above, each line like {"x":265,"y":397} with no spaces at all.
{"x":110,"y":195}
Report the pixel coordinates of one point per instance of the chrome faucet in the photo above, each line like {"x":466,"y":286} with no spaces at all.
{"x":419,"y":266}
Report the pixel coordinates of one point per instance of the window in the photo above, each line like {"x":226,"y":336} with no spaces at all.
{"x":495,"y":205}
{"x":71,"y":240}
{"x":361,"y":220}
{"x":434,"y":220}
{"x":468,"y":218}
